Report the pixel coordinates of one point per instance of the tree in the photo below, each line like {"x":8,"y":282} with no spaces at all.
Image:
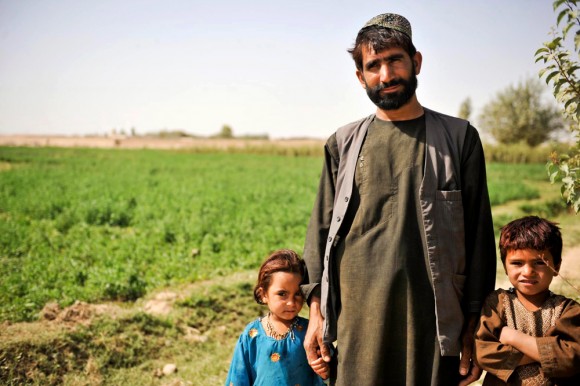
{"x":226,"y":132}
{"x":465,"y":109}
{"x":518,"y":113}
{"x":561,"y":71}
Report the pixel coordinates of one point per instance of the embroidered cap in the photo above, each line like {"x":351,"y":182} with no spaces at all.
{"x":391,"y":20}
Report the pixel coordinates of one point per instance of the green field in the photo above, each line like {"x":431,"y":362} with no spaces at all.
{"x":111,"y":225}
{"x":118,"y":225}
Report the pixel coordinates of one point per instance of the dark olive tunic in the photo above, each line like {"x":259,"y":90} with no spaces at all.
{"x":387,"y":325}
{"x":389,"y":297}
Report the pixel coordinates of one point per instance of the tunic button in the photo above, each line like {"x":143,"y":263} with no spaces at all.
{"x":346,"y":199}
{"x":338,"y":219}
{"x":329,"y":239}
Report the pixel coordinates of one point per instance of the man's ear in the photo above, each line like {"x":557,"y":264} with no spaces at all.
{"x":418,"y":61}
{"x":361,"y":78}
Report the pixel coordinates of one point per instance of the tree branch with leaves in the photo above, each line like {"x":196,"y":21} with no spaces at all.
{"x":561,"y":71}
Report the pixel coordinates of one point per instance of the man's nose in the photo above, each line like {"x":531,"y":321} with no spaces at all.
{"x":386,"y":73}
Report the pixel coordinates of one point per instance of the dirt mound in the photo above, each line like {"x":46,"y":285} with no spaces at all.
{"x":78,"y":313}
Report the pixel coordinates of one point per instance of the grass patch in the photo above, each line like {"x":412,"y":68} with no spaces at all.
{"x":198,"y":336}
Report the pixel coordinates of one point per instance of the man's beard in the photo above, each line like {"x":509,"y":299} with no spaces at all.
{"x":393,"y":101}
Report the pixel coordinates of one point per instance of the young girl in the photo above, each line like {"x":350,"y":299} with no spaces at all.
{"x":529,"y":335}
{"x":270,"y":350}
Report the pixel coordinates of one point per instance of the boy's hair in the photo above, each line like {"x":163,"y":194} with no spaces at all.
{"x":379,"y":38}
{"x":283,"y":260}
{"x":531,"y":232}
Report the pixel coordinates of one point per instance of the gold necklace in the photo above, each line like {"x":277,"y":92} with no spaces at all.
{"x":273,"y":333}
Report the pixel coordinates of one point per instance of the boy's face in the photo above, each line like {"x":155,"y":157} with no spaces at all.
{"x":530,"y":272}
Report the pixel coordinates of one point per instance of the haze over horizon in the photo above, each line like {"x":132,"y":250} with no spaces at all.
{"x":260,"y":67}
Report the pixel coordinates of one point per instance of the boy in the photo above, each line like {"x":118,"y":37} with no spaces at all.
{"x":528,"y":335}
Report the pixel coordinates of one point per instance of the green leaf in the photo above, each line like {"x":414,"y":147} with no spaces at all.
{"x":557,"y":4}
{"x":566,"y":29}
{"x":563,"y":56}
{"x":551,"y":75}
{"x":561,"y":15}
{"x":557,"y":86}
{"x":539,"y":51}
{"x":553,"y":45}
{"x":568,"y":103}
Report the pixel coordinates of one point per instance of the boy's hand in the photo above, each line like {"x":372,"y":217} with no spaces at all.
{"x":506,"y":335}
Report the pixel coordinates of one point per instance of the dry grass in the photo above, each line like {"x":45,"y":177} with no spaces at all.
{"x":153,"y":142}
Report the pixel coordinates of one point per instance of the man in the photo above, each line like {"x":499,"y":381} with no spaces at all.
{"x":400,"y":247}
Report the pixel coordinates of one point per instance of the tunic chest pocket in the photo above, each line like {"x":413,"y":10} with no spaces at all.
{"x":451,"y":236}
{"x":450,"y":206}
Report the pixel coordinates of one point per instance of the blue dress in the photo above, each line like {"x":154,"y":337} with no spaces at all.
{"x":262,"y":360}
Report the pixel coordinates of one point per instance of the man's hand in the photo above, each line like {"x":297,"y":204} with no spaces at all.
{"x":467,"y":366}
{"x":313,"y":344}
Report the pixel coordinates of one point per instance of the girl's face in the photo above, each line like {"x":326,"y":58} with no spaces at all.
{"x":530,"y":272}
{"x":283,"y":297}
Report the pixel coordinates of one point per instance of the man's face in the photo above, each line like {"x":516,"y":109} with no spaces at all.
{"x":389,"y":77}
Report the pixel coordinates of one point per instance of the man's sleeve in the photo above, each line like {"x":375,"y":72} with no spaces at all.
{"x":320,"y":220}
{"x":480,"y":247}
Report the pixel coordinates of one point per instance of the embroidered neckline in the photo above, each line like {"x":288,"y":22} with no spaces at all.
{"x":275,"y":334}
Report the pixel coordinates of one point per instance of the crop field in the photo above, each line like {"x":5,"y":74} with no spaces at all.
{"x":116,"y":225}
{"x":109,"y":225}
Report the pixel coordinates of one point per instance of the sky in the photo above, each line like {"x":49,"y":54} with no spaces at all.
{"x":275,"y":67}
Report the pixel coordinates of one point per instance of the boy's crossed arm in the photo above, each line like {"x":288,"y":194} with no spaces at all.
{"x":524,"y":343}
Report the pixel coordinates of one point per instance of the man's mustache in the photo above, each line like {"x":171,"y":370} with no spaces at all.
{"x":381,"y":86}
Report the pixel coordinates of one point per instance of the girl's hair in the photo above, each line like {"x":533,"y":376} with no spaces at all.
{"x":283,"y":260}
{"x":379,"y":39}
{"x":531,"y":232}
